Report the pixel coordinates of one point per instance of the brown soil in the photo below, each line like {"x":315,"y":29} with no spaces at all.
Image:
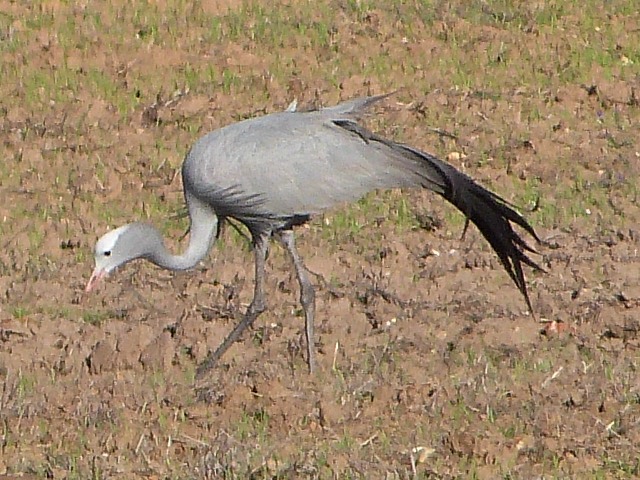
{"x":429,"y":363}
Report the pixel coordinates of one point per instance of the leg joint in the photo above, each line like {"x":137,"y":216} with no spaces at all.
{"x":307,"y":294}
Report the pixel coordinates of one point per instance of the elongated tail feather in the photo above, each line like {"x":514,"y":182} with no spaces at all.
{"x":493,"y":216}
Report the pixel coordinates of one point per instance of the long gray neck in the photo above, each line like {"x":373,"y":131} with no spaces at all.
{"x":204,"y":225}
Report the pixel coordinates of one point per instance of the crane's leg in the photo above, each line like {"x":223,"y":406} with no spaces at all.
{"x":307,"y":294}
{"x":257,"y":306}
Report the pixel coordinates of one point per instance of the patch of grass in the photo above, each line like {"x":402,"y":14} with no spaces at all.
{"x":629,"y":467}
{"x":26,"y":385}
{"x":254,"y":426}
{"x":95,"y":318}
{"x":20,"y":312}
{"x":345,"y":443}
{"x":543,"y":365}
{"x":363,"y":218}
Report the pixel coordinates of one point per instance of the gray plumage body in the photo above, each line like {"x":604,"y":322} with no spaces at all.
{"x":294,"y":164}
{"x":275,"y":172}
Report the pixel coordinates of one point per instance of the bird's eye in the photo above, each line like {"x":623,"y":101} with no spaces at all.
{"x":107,"y":253}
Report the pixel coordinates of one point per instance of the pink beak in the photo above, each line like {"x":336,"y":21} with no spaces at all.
{"x":96,"y":276}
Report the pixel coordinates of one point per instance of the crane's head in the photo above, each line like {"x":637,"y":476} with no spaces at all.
{"x":117,"y":247}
